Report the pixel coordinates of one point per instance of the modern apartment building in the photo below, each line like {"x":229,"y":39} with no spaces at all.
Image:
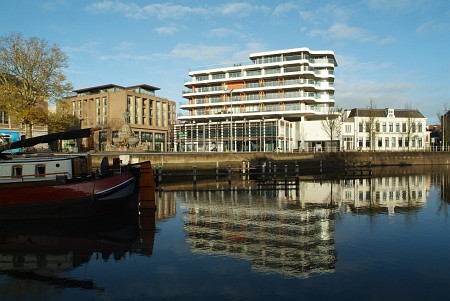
{"x":384,"y":129}
{"x":149,"y":117}
{"x":276,"y":102}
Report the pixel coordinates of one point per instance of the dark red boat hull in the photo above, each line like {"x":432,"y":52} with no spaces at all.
{"x":85,"y":198}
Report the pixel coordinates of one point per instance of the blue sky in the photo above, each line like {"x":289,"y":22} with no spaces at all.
{"x":396,"y":52}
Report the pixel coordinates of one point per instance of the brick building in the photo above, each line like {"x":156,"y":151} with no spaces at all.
{"x":149,"y":117}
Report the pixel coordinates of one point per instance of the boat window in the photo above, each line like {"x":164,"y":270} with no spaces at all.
{"x":17,"y":171}
{"x":40,"y":170}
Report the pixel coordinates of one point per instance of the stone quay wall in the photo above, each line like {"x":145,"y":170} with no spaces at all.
{"x":183,"y":161}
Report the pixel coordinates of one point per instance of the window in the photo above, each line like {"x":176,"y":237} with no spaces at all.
{"x":400,"y":142}
{"x":391,"y":127}
{"x":3,"y":117}
{"x":419,"y":127}
{"x":16,"y":171}
{"x":386,"y":142}
{"x":397,"y":127}
{"x":218,"y":76}
{"x":201,"y":77}
{"x":384,"y":127}
{"x":380,"y":142}
{"x":40,"y":170}
{"x":253,"y":72}
{"x":377,"y":127}
{"x":404,"y":127}
{"x":393,"y":140}
{"x":348,"y":128}
{"x":235,"y":74}
{"x":360,"y":127}
{"x":275,"y":70}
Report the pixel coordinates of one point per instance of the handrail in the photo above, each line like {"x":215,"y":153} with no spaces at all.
{"x":37,"y":176}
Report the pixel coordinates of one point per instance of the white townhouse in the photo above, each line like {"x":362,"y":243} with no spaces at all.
{"x":384,"y":130}
{"x":276,"y":102}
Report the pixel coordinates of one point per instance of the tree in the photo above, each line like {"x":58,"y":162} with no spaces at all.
{"x":61,"y":119}
{"x":411,"y":127}
{"x":372,"y":123}
{"x":31,"y":75}
{"x":333,"y":124}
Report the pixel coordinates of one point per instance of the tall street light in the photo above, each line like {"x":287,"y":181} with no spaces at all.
{"x":443,"y":130}
{"x":231,"y":120}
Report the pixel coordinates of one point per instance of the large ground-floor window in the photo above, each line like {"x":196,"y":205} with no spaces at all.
{"x":239,"y":136}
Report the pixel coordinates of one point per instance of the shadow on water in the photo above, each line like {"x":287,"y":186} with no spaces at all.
{"x":46,"y":251}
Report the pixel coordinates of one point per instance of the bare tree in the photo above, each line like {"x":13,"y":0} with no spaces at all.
{"x":31,"y":74}
{"x":411,"y":126}
{"x":333,"y":125}
{"x":372,"y":123}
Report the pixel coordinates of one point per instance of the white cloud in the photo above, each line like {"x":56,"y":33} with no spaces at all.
{"x":202,"y":52}
{"x":433,"y":26}
{"x":340,"y":31}
{"x":128,"y":9}
{"x":224,"y":33}
{"x":397,"y":5}
{"x":241,"y":9}
{"x":124,"y":46}
{"x":357,"y":93}
{"x":163,"y":11}
{"x":167,"y":30}
{"x":171,"y":11}
{"x":285,"y":8}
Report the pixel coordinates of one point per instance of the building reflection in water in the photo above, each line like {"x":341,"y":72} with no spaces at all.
{"x":277,"y":234}
{"x":386,"y":194}
{"x":291,"y":232}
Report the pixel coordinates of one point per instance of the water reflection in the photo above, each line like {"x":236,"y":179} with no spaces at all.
{"x":39,"y":255}
{"x":291,"y":232}
{"x":275,"y":234}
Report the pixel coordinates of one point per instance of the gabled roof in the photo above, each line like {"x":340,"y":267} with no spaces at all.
{"x":398,"y":113}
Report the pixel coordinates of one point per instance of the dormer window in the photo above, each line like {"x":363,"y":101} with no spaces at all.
{"x":390,"y":113}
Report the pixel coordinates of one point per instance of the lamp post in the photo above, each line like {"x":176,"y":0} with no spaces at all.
{"x":443,"y":131}
{"x":231,"y":120}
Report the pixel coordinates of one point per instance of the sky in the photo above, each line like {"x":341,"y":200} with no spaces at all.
{"x":395,"y":53}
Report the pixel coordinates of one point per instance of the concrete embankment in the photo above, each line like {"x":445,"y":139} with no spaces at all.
{"x":181,"y":161}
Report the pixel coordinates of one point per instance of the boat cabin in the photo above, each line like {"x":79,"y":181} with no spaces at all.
{"x":42,"y":168}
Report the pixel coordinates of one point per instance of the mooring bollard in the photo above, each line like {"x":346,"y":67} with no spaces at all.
{"x":217,"y":171}
{"x":194,"y":173}
{"x":159,"y":176}
{"x":285,"y":175}
{"x":263,"y":171}
{"x":229,"y":176}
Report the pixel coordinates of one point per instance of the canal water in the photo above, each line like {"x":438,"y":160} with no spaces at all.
{"x":384,"y":238}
